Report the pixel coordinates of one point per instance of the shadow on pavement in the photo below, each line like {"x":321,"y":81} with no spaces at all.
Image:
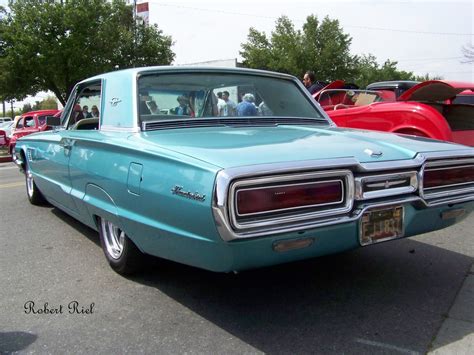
{"x":389,"y":298}
{"x":15,"y":341}
{"x":89,"y":233}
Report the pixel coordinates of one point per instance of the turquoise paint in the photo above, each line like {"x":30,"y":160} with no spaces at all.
{"x":231,"y":146}
{"x":134,"y":180}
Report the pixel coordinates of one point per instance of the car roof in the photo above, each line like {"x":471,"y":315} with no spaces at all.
{"x":392,"y":84}
{"x":40,"y":112}
{"x":184,"y":69}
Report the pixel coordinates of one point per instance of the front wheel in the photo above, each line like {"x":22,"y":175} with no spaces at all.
{"x":121,"y":253}
{"x":34,"y":194}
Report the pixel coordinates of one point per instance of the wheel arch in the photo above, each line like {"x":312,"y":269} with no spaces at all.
{"x":100,"y":204}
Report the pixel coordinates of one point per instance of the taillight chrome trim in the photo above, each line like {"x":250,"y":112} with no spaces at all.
{"x":226,"y":176}
{"x":236,"y":189}
{"x":445,"y":192}
{"x":387,"y":180}
{"x":348,"y":199}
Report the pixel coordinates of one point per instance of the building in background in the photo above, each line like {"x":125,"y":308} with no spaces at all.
{"x":142,"y":13}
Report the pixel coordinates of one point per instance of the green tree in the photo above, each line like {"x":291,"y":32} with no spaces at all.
{"x":369,"y":71}
{"x":50,"y":45}
{"x":27,"y":108}
{"x":49,"y":103}
{"x":427,"y":77}
{"x":321,"y":47}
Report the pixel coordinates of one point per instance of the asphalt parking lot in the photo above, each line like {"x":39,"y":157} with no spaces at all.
{"x":391,"y":298}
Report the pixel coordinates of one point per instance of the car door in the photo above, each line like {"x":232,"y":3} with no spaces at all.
{"x":53,"y":167}
{"x":69,"y":165}
{"x":30,"y":125}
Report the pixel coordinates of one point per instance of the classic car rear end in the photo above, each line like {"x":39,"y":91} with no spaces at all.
{"x":161,"y":172}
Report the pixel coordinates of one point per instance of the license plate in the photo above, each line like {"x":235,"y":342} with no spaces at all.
{"x":379,"y":225}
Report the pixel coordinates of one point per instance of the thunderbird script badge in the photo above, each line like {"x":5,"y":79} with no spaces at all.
{"x":178,"y":190}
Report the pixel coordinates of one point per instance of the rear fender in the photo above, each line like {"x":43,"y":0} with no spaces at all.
{"x":100,"y":204}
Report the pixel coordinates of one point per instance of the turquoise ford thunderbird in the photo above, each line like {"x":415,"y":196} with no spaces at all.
{"x":233,"y":169}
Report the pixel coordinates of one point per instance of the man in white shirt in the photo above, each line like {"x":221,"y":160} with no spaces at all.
{"x":229,"y":108}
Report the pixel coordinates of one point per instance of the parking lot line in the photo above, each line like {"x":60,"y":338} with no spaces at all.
{"x":12,"y":184}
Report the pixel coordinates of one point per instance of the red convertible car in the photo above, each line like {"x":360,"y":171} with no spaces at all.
{"x":30,"y":122}
{"x":428,"y":109}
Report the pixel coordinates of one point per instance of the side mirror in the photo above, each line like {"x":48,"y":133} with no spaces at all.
{"x":53,"y":121}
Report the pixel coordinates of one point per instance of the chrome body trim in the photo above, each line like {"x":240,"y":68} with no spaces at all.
{"x":445,"y":193}
{"x":348,"y":199}
{"x":450,"y":185}
{"x":385,"y":181}
{"x":225,"y":178}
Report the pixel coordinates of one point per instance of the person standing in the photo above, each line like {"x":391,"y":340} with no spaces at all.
{"x":247,"y":106}
{"x":220,"y":104}
{"x":309,"y":81}
{"x":229,"y":108}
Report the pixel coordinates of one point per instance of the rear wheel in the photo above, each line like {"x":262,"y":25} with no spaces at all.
{"x":121,"y":253}
{"x":34,"y":194}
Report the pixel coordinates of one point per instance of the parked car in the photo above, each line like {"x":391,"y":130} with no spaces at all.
{"x":427,"y":109}
{"x":5,"y":119}
{"x":5,"y":132}
{"x":28,"y":123}
{"x":237,"y":192}
{"x":392,"y":90}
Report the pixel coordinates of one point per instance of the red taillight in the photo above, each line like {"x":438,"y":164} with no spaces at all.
{"x":282,"y":197}
{"x":433,"y":178}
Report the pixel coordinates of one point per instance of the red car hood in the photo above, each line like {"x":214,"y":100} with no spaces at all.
{"x":435,"y":90}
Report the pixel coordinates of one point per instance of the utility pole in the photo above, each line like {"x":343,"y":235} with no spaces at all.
{"x":13,"y":113}
{"x":134,"y":30}
{"x":4,"y":113}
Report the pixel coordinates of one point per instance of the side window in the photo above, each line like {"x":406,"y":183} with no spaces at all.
{"x":41,"y":120}
{"x":29,"y":121}
{"x":19,"y":124}
{"x":84,"y":112}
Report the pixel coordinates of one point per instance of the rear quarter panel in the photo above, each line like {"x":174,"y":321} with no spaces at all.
{"x":397,"y":117}
{"x":139,"y":183}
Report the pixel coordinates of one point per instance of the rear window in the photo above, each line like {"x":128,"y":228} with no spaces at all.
{"x":198,"y":95}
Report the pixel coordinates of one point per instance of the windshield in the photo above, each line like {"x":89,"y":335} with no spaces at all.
{"x":201,"y":95}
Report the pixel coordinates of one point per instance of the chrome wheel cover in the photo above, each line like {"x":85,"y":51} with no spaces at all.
{"x":29,"y":183}
{"x":114,"y":239}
